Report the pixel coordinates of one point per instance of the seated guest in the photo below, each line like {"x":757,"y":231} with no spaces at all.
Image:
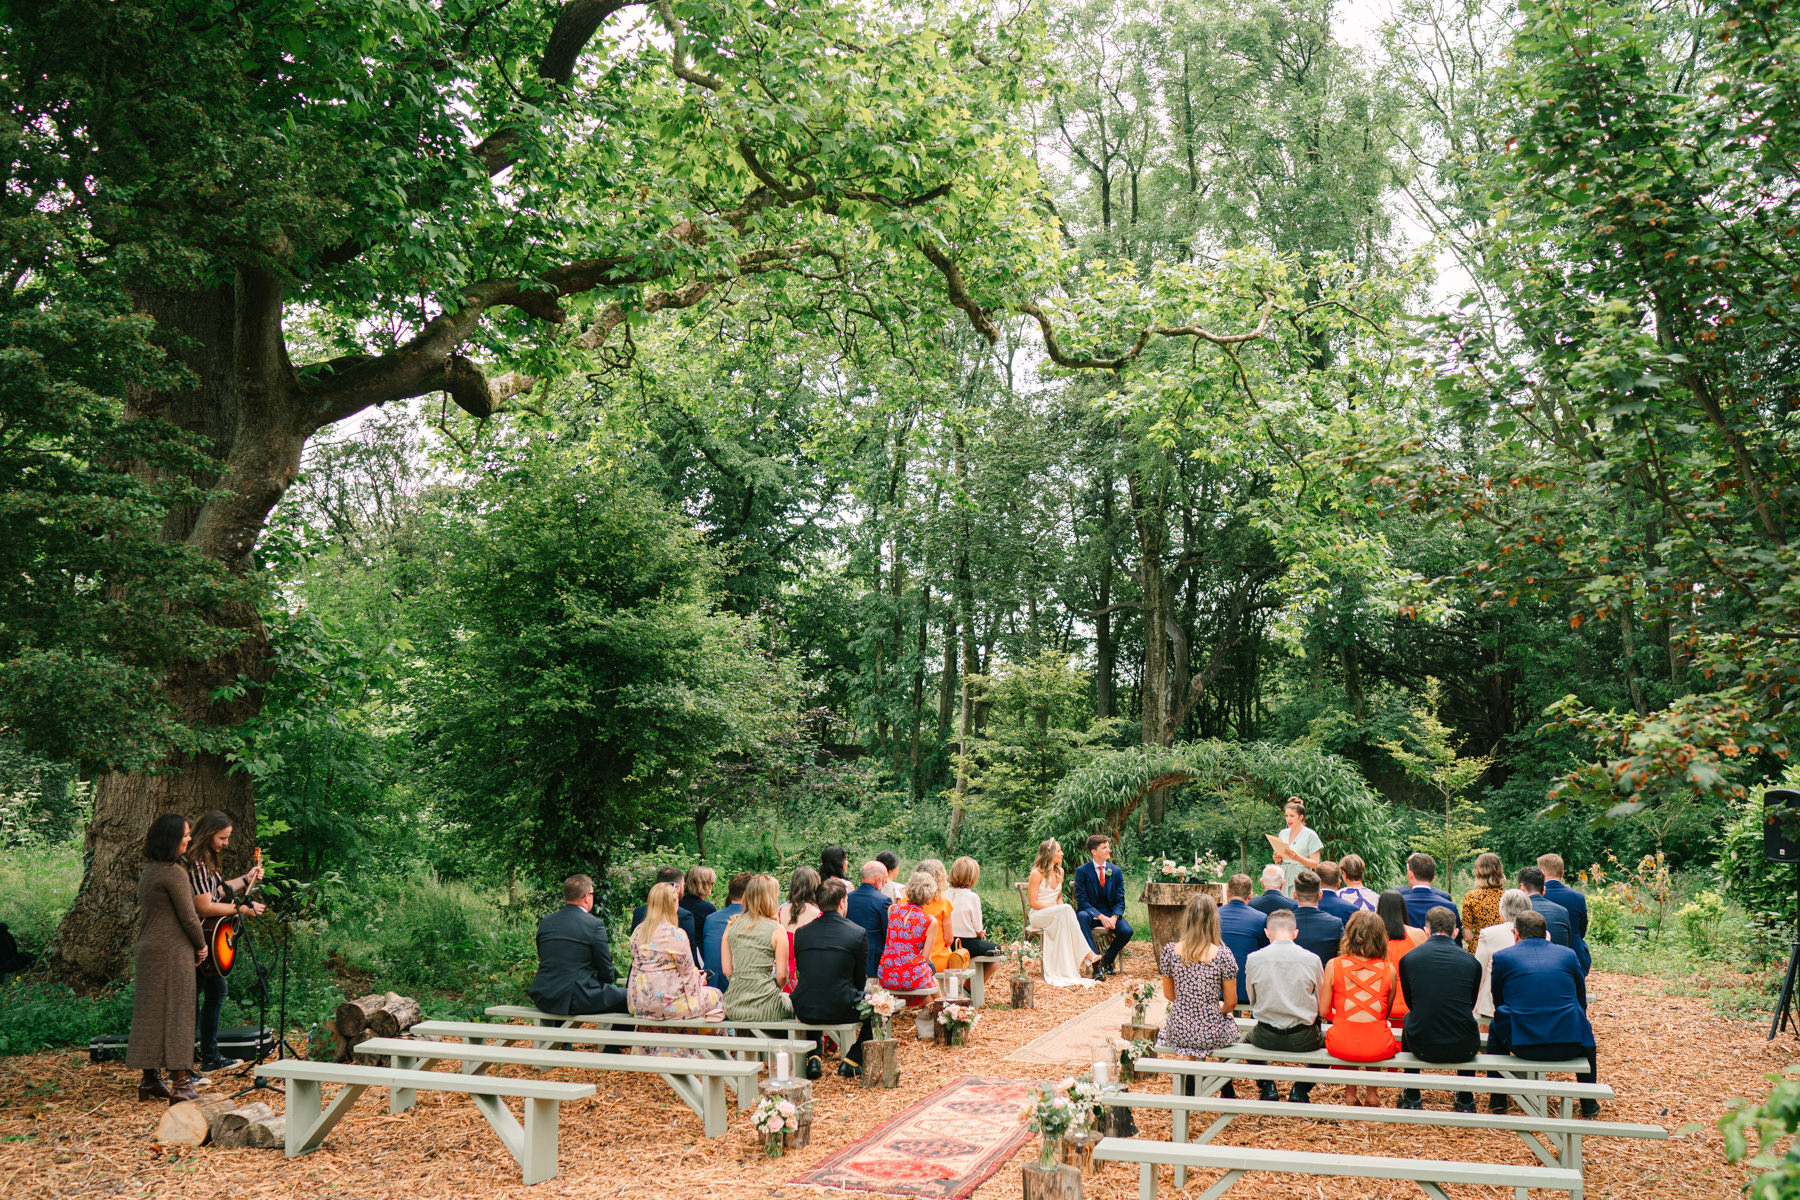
{"x":868,"y":906}
{"x":833,"y":955}
{"x":1497,"y":936}
{"x":939,"y":911}
{"x":575,"y":970}
{"x":802,"y":908}
{"x":1271,"y":898}
{"x":1356,"y":996}
{"x":1330,"y":879}
{"x":832,"y":863}
{"x":1352,"y":891}
{"x":967,"y":927}
{"x":893,"y":886}
{"x":1284,"y":995}
{"x":713,"y":932}
{"x":1319,"y":930}
{"x":684,"y":918}
{"x":1440,"y":980}
{"x":1401,"y":937}
{"x":665,"y":985}
{"x":1481,"y":903}
{"x":1100,"y":903}
{"x":1242,"y":927}
{"x":696,"y":900}
{"x":756,"y":957}
{"x":1556,"y":917}
{"x":1558,"y":892}
{"x":1540,"y":1003}
{"x":911,"y":937}
{"x":1421,"y":897}
{"x":1199,"y":979}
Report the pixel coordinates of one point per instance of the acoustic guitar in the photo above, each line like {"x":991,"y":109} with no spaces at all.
{"x":221,"y":935}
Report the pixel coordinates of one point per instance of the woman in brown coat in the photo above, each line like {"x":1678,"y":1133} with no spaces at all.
{"x":170,"y":945}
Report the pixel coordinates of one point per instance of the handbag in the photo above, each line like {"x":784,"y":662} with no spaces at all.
{"x":957,"y":959}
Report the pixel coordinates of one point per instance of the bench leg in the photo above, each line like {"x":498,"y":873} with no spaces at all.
{"x":713,"y":1112}
{"x":1147,"y":1181}
{"x":1432,"y":1189}
{"x":401,"y":1099}
{"x":540,"y":1160}
{"x":506,"y":1126}
{"x":1180,"y":1134}
{"x":1224,"y":1185}
{"x":1215,"y":1128}
{"x":309,"y":1132}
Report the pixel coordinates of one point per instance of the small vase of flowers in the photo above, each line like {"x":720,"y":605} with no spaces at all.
{"x":774,"y":1117}
{"x":957,"y":1022}
{"x":880,"y":1005}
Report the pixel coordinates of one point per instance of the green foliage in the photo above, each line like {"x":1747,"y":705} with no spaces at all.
{"x":1754,"y":1132}
{"x":37,"y":1015}
{"x":37,"y":883}
{"x":1702,"y":920}
{"x":1430,"y":761}
{"x":1606,"y":918}
{"x":1764,"y":889}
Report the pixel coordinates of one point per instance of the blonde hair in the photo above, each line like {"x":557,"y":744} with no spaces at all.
{"x":964,"y":872}
{"x":922,"y":888}
{"x":699,"y":882}
{"x":659,"y":909}
{"x":936,"y":867}
{"x":1199,"y":927}
{"x":762,"y":896}
{"x":1489,"y":872}
{"x":1046,"y":859}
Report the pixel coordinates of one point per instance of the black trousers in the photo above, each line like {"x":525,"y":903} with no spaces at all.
{"x":854,"y":1052}
{"x":212,"y":989}
{"x":1434,"y":1052}
{"x":977,"y":947}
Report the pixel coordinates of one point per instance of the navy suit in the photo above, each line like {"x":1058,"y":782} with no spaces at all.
{"x":1540,"y":1003}
{"x":686,"y":919}
{"x":1271,"y":900}
{"x":712,"y":932}
{"x":575,"y":970}
{"x":1096,"y":897}
{"x":1422,"y":899}
{"x":1320,"y":932}
{"x":1242,"y":928}
{"x":1558,"y":892}
{"x":1556,"y":920}
{"x":1336,"y":905}
{"x":868,"y":906}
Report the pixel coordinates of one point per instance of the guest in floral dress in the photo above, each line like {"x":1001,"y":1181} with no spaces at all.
{"x":1199,"y":978}
{"x":665,"y":984}
{"x":755,"y":952}
{"x":912,"y":934}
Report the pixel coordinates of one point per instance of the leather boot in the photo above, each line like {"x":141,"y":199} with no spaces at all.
{"x":151,"y":1087}
{"x":181,"y":1087}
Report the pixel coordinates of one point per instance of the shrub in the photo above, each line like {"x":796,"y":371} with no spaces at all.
{"x":35,"y":1015}
{"x":1755,"y":1132}
{"x":1606,"y":918}
{"x":1701,"y":920}
{"x":1763,"y":889}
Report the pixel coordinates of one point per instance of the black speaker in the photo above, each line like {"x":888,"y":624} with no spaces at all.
{"x":1781,"y":825}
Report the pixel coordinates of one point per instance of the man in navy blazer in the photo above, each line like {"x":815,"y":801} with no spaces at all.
{"x":1273,"y":879}
{"x":1242,"y":928}
{"x":1540,"y":1003}
{"x":1556,"y":917}
{"x":1329,"y":900}
{"x":1421,"y":897}
{"x":1573,"y":902}
{"x":1100,"y":902}
{"x":575,"y":970}
{"x":685,"y":916}
{"x":868,"y":906}
{"x":1320,"y":932}
{"x":712,"y":929}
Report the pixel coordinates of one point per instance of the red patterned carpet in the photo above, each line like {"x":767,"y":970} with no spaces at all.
{"x":943,"y":1147}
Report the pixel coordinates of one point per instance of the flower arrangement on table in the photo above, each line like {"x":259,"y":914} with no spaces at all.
{"x":1205,"y":869}
{"x":880,"y":1005}
{"x":1140,"y":998}
{"x":1022,"y":952}
{"x":1050,"y":1115}
{"x":958,"y":1020}
{"x":775,"y":1116}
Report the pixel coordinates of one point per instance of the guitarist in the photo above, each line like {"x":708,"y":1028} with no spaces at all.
{"x":216,"y":897}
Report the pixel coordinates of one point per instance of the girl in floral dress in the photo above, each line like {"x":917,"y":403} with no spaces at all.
{"x":1199,"y":978}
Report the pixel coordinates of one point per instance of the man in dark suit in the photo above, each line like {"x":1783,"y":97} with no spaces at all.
{"x":830,"y":953}
{"x":1573,"y":902}
{"x":868,"y":907}
{"x":1421,"y":897}
{"x":1100,"y":903}
{"x":676,"y":876}
{"x":1556,"y":917}
{"x":1320,"y":932}
{"x":1329,"y":900}
{"x":1271,"y":899}
{"x":1242,"y":928}
{"x":712,"y":930}
{"x":1441,"y":982}
{"x":575,"y":971}
{"x":1540,"y":1003}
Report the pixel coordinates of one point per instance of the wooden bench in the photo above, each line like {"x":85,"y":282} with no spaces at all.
{"x":1430,"y":1174}
{"x":532,"y":1145}
{"x":844,"y":1035}
{"x":714,"y":1045}
{"x":700,"y":1082}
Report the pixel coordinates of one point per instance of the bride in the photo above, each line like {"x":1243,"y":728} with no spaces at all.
{"x":1066,"y":952}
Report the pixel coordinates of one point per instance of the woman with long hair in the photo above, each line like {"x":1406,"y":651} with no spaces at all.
{"x":1390,"y":906}
{"x":834,"y":864}
{"x":665,"y":985}
{"x":1066,"y":952}
{"x":215,"y":897}
{"x":1199,"y":979}
{"x":802,"y":908}
{"x":170,"y":945}
{"x":912,"y":935}
{"x":1481,"y":903}
{"x":758,"y":956}
{"x":1357,"y":998}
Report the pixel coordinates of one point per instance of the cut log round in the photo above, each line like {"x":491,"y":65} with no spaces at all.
{"x":1022,"y":994}
{"x":190,"y":1122}
{"x":1052,"y":1183}
{"x":881,"y":1063}
{"x":231,"y":1129}
{"x":265,"y":1133}
{"x":396,"y":1015}
{"x":353,"y":1017}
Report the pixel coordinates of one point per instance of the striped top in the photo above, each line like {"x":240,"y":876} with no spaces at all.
{"x":206,"y":880}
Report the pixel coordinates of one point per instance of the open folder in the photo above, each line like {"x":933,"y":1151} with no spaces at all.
{"x":1276,"y":845}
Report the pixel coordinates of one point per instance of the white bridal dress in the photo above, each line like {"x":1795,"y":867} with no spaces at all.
{"x":1064,"y":947}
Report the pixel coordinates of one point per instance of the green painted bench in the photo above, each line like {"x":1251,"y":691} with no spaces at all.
{"x":843,"y":1034}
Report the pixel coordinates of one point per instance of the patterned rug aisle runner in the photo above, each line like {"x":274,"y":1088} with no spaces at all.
{"x":943,"y":1147}
{"x":1072,"y":1042}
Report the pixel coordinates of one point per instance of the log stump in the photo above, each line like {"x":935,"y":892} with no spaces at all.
{"x":1052,"y":1183}
{"x":1078,"y":1150}
{"x":396,"y":1015}
{"x":1131,"y":1031}
{"x":881,"y":1063}
{"x":232,"y":1129}
{"x":267,"y":1134}
{"x":799,"y":1093}
{"x":190,"y":1122}
{"x":352,"y":1017}
{"x":1023,"y":994}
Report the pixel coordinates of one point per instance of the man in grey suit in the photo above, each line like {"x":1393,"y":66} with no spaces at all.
{"x":575,"y":971}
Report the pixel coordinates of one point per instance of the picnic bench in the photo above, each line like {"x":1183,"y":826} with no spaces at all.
{"x":843,"y":1034}
{"x":978,"y":979}
{"x":1430,"y":1174}
{"x":532,"y":1144}
{"x":700,"y":1082}
{"x":711,"y":1044}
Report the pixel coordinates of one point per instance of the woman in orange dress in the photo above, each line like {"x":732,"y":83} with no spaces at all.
{"x":1401,"y":937}
{"x":939,"y":911}
{"x":1357,"y":998}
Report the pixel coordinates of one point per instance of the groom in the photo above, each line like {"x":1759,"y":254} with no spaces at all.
{"x":1100,"y":902}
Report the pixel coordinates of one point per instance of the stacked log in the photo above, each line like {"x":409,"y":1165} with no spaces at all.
{"x":375,"y":1015}
{"x":232,"y":1129}
{"x":190,"y":1123}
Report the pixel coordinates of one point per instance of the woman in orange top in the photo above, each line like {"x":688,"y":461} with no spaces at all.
{"x":1357,"y":997}
{"x":939,"y":910}
{"x":1390,"y":906}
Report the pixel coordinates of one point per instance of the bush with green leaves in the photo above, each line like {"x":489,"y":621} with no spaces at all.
{"x":1753,"y":1133}
{"x":1702,"y":921}
{"x":36,"y":1015}
{"x":1606,"y":918}
{"x":1764,"y":890}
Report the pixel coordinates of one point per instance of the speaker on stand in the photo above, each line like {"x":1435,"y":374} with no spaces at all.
{"x":1781,"y":843}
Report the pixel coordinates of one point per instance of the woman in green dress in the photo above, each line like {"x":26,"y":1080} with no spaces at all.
{"x":754,"y":953}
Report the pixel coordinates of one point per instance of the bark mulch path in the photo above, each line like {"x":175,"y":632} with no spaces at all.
{"x":69,"y":1128}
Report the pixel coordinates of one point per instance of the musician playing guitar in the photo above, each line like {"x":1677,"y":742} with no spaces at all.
{"x":216,"y":898}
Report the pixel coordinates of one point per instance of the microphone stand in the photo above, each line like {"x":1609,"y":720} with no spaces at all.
{"x":282,"y":1050}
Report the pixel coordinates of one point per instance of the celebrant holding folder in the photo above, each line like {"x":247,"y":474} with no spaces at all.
{"x":1297,"y":848}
